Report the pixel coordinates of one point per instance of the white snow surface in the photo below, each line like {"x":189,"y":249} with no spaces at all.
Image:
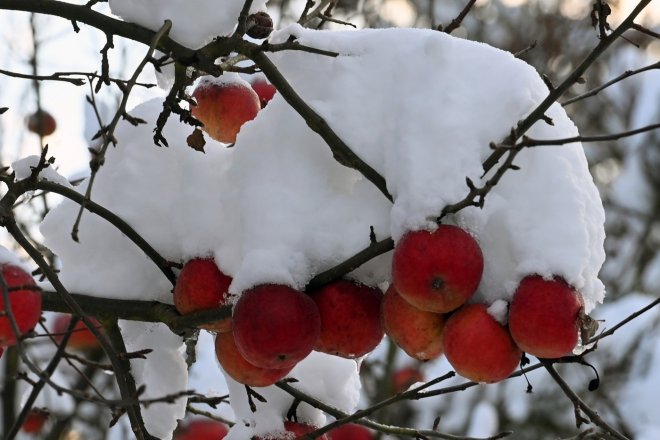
{"x":277,"y":208}
{"x":24,"y":167}
{"x":194,"y":22}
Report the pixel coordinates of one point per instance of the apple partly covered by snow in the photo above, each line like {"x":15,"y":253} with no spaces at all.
{"x":544,"y":317}
{"x":350,"y":318}
{"x":201,"y":285}
{"x":35,"y":420}
{"x":437,"y":271}
{"x":479,"y":347}
{"x":223,"y":105}
{"x":292,"y":430}
{"x":275,"y":326}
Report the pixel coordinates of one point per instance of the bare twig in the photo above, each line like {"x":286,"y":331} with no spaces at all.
{"x":456,"y":22}
{"x":580,"y":405}
{"x":626,"y":74}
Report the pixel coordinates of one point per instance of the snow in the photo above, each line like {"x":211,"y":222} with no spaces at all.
{"x":24,"y":167}
{"x":499,"y":310}
{"x":193,"y":23}
{"x":277,"y":208}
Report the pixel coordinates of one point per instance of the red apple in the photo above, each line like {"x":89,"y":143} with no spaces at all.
{"x":275,"y":326}
{"x":437,"y":271}
{"x":81,"y":337}
{"x":202,"y":286}
{"x":350,"y":318}
{"x":35,"y":420}
{"x":41,"y":123}
{"x":292,"y":431}
{"x":544,"y":317}
{"x":223,"y":107}
{"x":417,"y":332}
{"x":350,"y":431}
{"x":478,"y":347}
{"x":265,"y":91}
{"x":25,"y":303}
{"x":235,"y":365}
{"x":405,"y":377}
{"x":201,"y":429}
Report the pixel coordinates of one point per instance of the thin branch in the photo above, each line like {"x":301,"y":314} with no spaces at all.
{"x":626,"y":74}
{"x":36,"y":389}
{"x":531,"y":142}
{"x":456,"y":22}
{"x":408,"y":432}
{"x":113,"y":219}
{"x":341,"y":152}
{"x":53,"y":77}
{"x":539,"y":112}
{"x":625,"y":321}
{"x":580,"y":405}
{"x":108,"y":132}
{"x":646,"y":31}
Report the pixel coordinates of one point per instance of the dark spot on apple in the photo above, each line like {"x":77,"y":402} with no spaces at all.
{"x":437,"y":283}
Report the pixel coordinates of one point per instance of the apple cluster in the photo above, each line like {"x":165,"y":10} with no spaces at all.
{"x":426,"y":311}
{"x":24,"y":300}
{"x":223,"y":106}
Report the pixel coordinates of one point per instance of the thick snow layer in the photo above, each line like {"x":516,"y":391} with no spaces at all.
{"x":194,"y":22}
{"x":277,"y":208}
{"x":8,"y":257}
{"x":163,"y":372}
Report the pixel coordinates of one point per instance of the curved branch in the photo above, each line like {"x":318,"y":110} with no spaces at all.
{"x":114,"y":220}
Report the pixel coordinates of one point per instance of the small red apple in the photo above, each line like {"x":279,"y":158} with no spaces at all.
{"x":350,"y":318}
{"x":202,"y":286}
{"x":275,"y":326}
{"x":35,"y":420}
{"x":350,"y":431}
{"x":478,"y":347}
{"x":292,"y":431}
{"x":437,"y":271}
{"x":405,"y":377}
{"x":265,"y":91}
{"x":544,"y":317}
{"x":417,"y":332}
{"x":42,"y":123}
{"x":224,"y":106}
{"x":25,"y":303}
{"x":240,"y":369}
{"x":201,"y":429}
{"x":81,"y":337}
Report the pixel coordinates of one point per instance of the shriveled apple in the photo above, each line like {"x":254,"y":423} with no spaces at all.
{"x":437,"y":271}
